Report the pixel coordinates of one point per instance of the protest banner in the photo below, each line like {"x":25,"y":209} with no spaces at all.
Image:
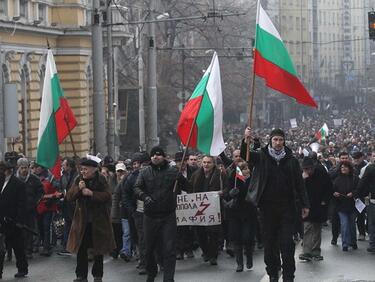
{"x":198,"y":209}
{"x":293,"y":123}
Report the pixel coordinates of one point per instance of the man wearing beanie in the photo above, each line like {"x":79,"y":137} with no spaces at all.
{"x":275,"y":187}
{"x":155,"y":187}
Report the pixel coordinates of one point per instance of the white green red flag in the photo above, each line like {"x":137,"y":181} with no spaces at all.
{"x":322,"y":134}
{"x":273,"y":63}
{"x":56,"y":117}
{"x":203,"y":114}
{"x":239,"y":174}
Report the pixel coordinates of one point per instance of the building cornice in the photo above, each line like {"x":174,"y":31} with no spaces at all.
{"x":39,"y":50}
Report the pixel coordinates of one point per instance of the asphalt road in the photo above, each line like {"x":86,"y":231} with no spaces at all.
{"x":337,"y":266}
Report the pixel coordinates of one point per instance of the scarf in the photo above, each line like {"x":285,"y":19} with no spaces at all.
{"x":24,"y":179}
{"x":277,"y":155}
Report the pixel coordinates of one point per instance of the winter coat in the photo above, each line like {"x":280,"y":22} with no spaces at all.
{"x":115,"y":207}
{"x":345,"y":184}
{"x":367,"y":183}
{"x":319,"y":189}
{"x":98,"y":207}
{"x":128,"y":201}
{"x":34,"y":191}
{"x":261,"y":162}
{"x":66,"y":181}
{"x":218,"y":181}
{"x":157,"y":182}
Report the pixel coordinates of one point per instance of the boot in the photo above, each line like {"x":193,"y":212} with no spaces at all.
{"x":2,"y":257}
{"x":249,"y":257}
{"x":238,"y":251}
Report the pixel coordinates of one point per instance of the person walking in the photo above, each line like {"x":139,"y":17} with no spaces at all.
{"x":276,"y":186}
{"x":91,"y":224}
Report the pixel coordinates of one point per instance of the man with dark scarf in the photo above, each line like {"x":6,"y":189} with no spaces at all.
{"x":276,"y":187}
{"x":34,"y":192}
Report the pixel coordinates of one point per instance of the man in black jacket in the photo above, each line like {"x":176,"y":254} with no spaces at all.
{"x":155,"y":187}
{"x":319,"y":190}
{"x":276,"y":186}
{"x":34,"y":192}
{"x":12,"y":211}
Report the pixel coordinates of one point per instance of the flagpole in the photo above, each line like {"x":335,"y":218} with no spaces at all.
{"x":71,"y":137}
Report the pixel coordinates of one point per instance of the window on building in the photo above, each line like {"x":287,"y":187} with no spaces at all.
{"x":298,"y":23}
{"x":41,"y":12}
{"x":23,"y":8}
{"x":303,"y":23}
{"x":3,"y":7}
{"x":291,"y":23}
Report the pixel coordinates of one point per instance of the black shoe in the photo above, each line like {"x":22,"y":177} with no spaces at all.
{"x":249,"y":262}
{"x":179,"y":256}
{"x":274,"y":279}
{"x":45,"y":253}
{"x":355,"y":246}
{"x":334,"y":242}
{"x":213,"y":261}
{"x":305,"y":257}
{"x":230,"y":252}
{"x":288,"y":279}
{"x":98,"y":279}
{"x":20,"y":274}
{"x":80,"y":279}
{"x":189,"y":254}
{"x":344,"y":249}
{"x":125,"y":257}
{"x":239,"y":268}
{"x":318,"y":258}
{"x":371,"y":250}
{"x":205,"y":258}
{"x":150,"y":279}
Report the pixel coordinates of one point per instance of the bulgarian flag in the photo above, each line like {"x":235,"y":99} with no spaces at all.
{"x":239,"y":174}
{"x":273,"y":63}
{"x":203,"y":114}
{"x":56,"y":118}
{"x":322,"y":133}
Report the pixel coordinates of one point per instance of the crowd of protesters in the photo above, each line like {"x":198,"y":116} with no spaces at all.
{"x":127,"y":207}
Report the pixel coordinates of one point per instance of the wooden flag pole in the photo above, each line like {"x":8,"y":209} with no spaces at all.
{"x":251,"y":106}
{"x":71,"y":138}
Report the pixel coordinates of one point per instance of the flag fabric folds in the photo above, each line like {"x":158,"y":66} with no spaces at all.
{"x":322,"y":134}
{"x":203,"y":114}
{"x":56,"y":117}
{"x":273,"y":63}
{"x":239,"y":174}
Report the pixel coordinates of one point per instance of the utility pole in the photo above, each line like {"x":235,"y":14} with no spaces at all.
{"x":98,"y":83}
{"x":141,"y":101}
{"x":111,"y":129}
{"x":2,"y":140}
{"x":152,"y":99}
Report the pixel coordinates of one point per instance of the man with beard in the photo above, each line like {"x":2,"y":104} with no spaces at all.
{"x":12,"y":211}
{"x":276,"y":186}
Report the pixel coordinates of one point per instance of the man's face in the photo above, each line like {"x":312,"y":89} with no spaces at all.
{"x":236,"y":156}
{"x":120,"y":174}
{"x":157,"y":159}
{"x":344,"y":158}
{"x":38,"y":169}
{"x":358,"y":161}
{"x":136,"y":165}
{"x":88,"y":172}
{"x":372,"y":159}
{"x":65,"y":166}
{"x":23,"y":170}
{"x":277,"y":142}
{"x":193,"y":161}
{"x":309,"y":171}
{"x":207,"y":164}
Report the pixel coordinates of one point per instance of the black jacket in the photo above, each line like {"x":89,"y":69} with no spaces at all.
{"x":367,"y":183}
{"x":217,"y":181}
{"x":13,"y":200}
{"x":261,"y":162}
{"x":319,"y":189}
{"x":128,"y":201}
{"x":34,"y":192}
{"x":157,"y":182}
{"x":345,"y":184}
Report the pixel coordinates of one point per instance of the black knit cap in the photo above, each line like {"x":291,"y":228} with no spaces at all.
{"x":307,"y":162}
{"x":277,"y":132}
{"x":157,"y":151}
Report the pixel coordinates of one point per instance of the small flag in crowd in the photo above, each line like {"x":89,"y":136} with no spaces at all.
{"x":322,"y":134}
{"x":56,"y":118}
{"x":205,"y":107}
{"x":239,"y":174}
{"x":273,"y":63}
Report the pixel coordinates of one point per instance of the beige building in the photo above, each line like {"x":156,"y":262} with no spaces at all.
{"x":26,"y":26}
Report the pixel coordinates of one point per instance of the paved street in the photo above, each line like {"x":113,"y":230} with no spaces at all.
{"x":337,"y":266}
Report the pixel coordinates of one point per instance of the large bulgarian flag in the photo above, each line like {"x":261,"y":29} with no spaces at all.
{"x":56,"y":117}
{"x":273,"y":63}
{"x":203,"y":114}
{"x":322,"y":134}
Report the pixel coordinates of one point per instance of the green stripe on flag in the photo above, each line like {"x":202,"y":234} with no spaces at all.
{"x":205,"y":123}
{"x":273,"y":50}
{"x":201,"y":87}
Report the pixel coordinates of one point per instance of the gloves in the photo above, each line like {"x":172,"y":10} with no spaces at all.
{"x":148,"y":200}
{"x":234,"y":192}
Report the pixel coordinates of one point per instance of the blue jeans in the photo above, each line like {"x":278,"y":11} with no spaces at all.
{"x":348,"y":228}
{"x":126,"y":242}
{"x":46,"y":220}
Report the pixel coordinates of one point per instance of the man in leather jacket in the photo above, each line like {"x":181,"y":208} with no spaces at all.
{"x":276,"y":187}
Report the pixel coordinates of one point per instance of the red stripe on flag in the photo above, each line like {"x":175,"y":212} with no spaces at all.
{"x":56,"y":169}
{"x":65,"y":120}
{"x":280,"y":80}
{"x":185,"y":122}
